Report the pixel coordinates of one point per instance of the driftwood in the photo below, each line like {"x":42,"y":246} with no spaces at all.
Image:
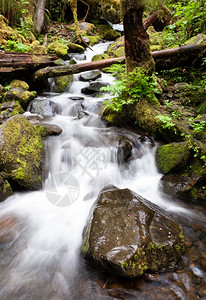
{"x":164,"y":59}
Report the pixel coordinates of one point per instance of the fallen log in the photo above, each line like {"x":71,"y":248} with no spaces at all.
{"x":18,"y":64}
{"x":50,"y":72}
{"x":163,"y":59}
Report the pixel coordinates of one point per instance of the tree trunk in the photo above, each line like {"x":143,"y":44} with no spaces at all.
{"x":39,"y":15}
{"x":137,"y":44}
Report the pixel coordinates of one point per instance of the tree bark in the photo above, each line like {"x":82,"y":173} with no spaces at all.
{"x":137,"y":44}
{"x":39,"y":15}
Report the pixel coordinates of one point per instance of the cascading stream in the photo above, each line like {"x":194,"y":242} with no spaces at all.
{"x":42,"y":258}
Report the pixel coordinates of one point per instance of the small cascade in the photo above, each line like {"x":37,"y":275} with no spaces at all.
{"x":40,"y":258}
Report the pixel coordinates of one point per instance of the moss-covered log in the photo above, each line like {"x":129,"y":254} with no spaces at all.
{"x":73,"y":69}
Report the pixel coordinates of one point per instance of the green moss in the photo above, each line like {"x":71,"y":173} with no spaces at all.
{"x":21,"y":152}
{"x":100,"y":57}
{"x":172,"y":156}
{"x":62,"y":83}
{"x":59,"y":49}
{"x":94,"y":39}
{"x":19,"y":83}
{"x":86,"y":239}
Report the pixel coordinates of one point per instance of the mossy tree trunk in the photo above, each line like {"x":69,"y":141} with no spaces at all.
{"x":137,"y":45}
{"x":73,"y":4}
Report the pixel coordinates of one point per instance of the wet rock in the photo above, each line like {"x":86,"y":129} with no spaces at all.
{"x":172,"y":157}
{"x":21,"y":152}
{"x":90,"y":76}
{"x":9,"y":227}
{"x":5,"y":189}
{"x":127,"y":235}
{"x":76,"y":98}
{"x":173,"y":184}
{"x":50,"y":129}
{"x":44,"y":107}
{"x":93,"y":88}
{"x":124,"y":150}
{"x":21,"y":95}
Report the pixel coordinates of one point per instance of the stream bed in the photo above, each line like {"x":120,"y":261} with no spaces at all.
{"x":41,"y":232}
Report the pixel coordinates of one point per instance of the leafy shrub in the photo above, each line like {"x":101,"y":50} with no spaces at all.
{"x":131,"y":88}
{"x":17,"y":47}
{"x":188,"y":20}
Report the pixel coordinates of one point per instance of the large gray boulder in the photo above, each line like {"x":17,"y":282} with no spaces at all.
{"x":21,"y":152}
{"x":127,"y":235}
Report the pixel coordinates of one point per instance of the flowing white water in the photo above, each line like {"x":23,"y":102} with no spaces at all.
{"x":41,"y":261}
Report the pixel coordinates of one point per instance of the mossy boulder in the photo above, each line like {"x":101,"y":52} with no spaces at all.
{"x":100,"y":57}
{"x":49,"y":129}
{"x":188,"y":184}
{"x":5,"y":189}
{"x":21,"y":152}
{"x":94,"y":39}
{"x":10,"y":109}
{"x":85,"y":26}
{"x":198,"y":39}
{"x":116,"y":49}
{"x":62,"y":83}
{"x":172,"y":157}
{"x":19,"y":84}
{"x":37,"y":48}
{"x":75,"y":48}
{"x":128,"y":235}
{"x":20,"y":95}
{"x":156,"y":40}
{"x":58,"y":49}
{"x":111,"y":35}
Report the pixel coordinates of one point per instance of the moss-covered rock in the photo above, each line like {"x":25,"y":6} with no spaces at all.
{"x":19,"y":84}
{"x":116,"y":49}
{"x":85,"y":26}
{"x":75,"y":48}
{"x":188,"y":184}
{"x":58,"y":49}
{"x":10,"y":109}
{"x":94,"y":39}
{"x":37,"y":48}
{"x":127,"y":235}
{"x":62,"y":83}
{"x":100,"y":57}
{"x":172,"y":157}
{"x":21,"y":152}
{"x":198,"y":39}
{"x":156,"y":40}
{"x":111,"y":35}
{"x":5,"y":189}
{"x":20,"y":95}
